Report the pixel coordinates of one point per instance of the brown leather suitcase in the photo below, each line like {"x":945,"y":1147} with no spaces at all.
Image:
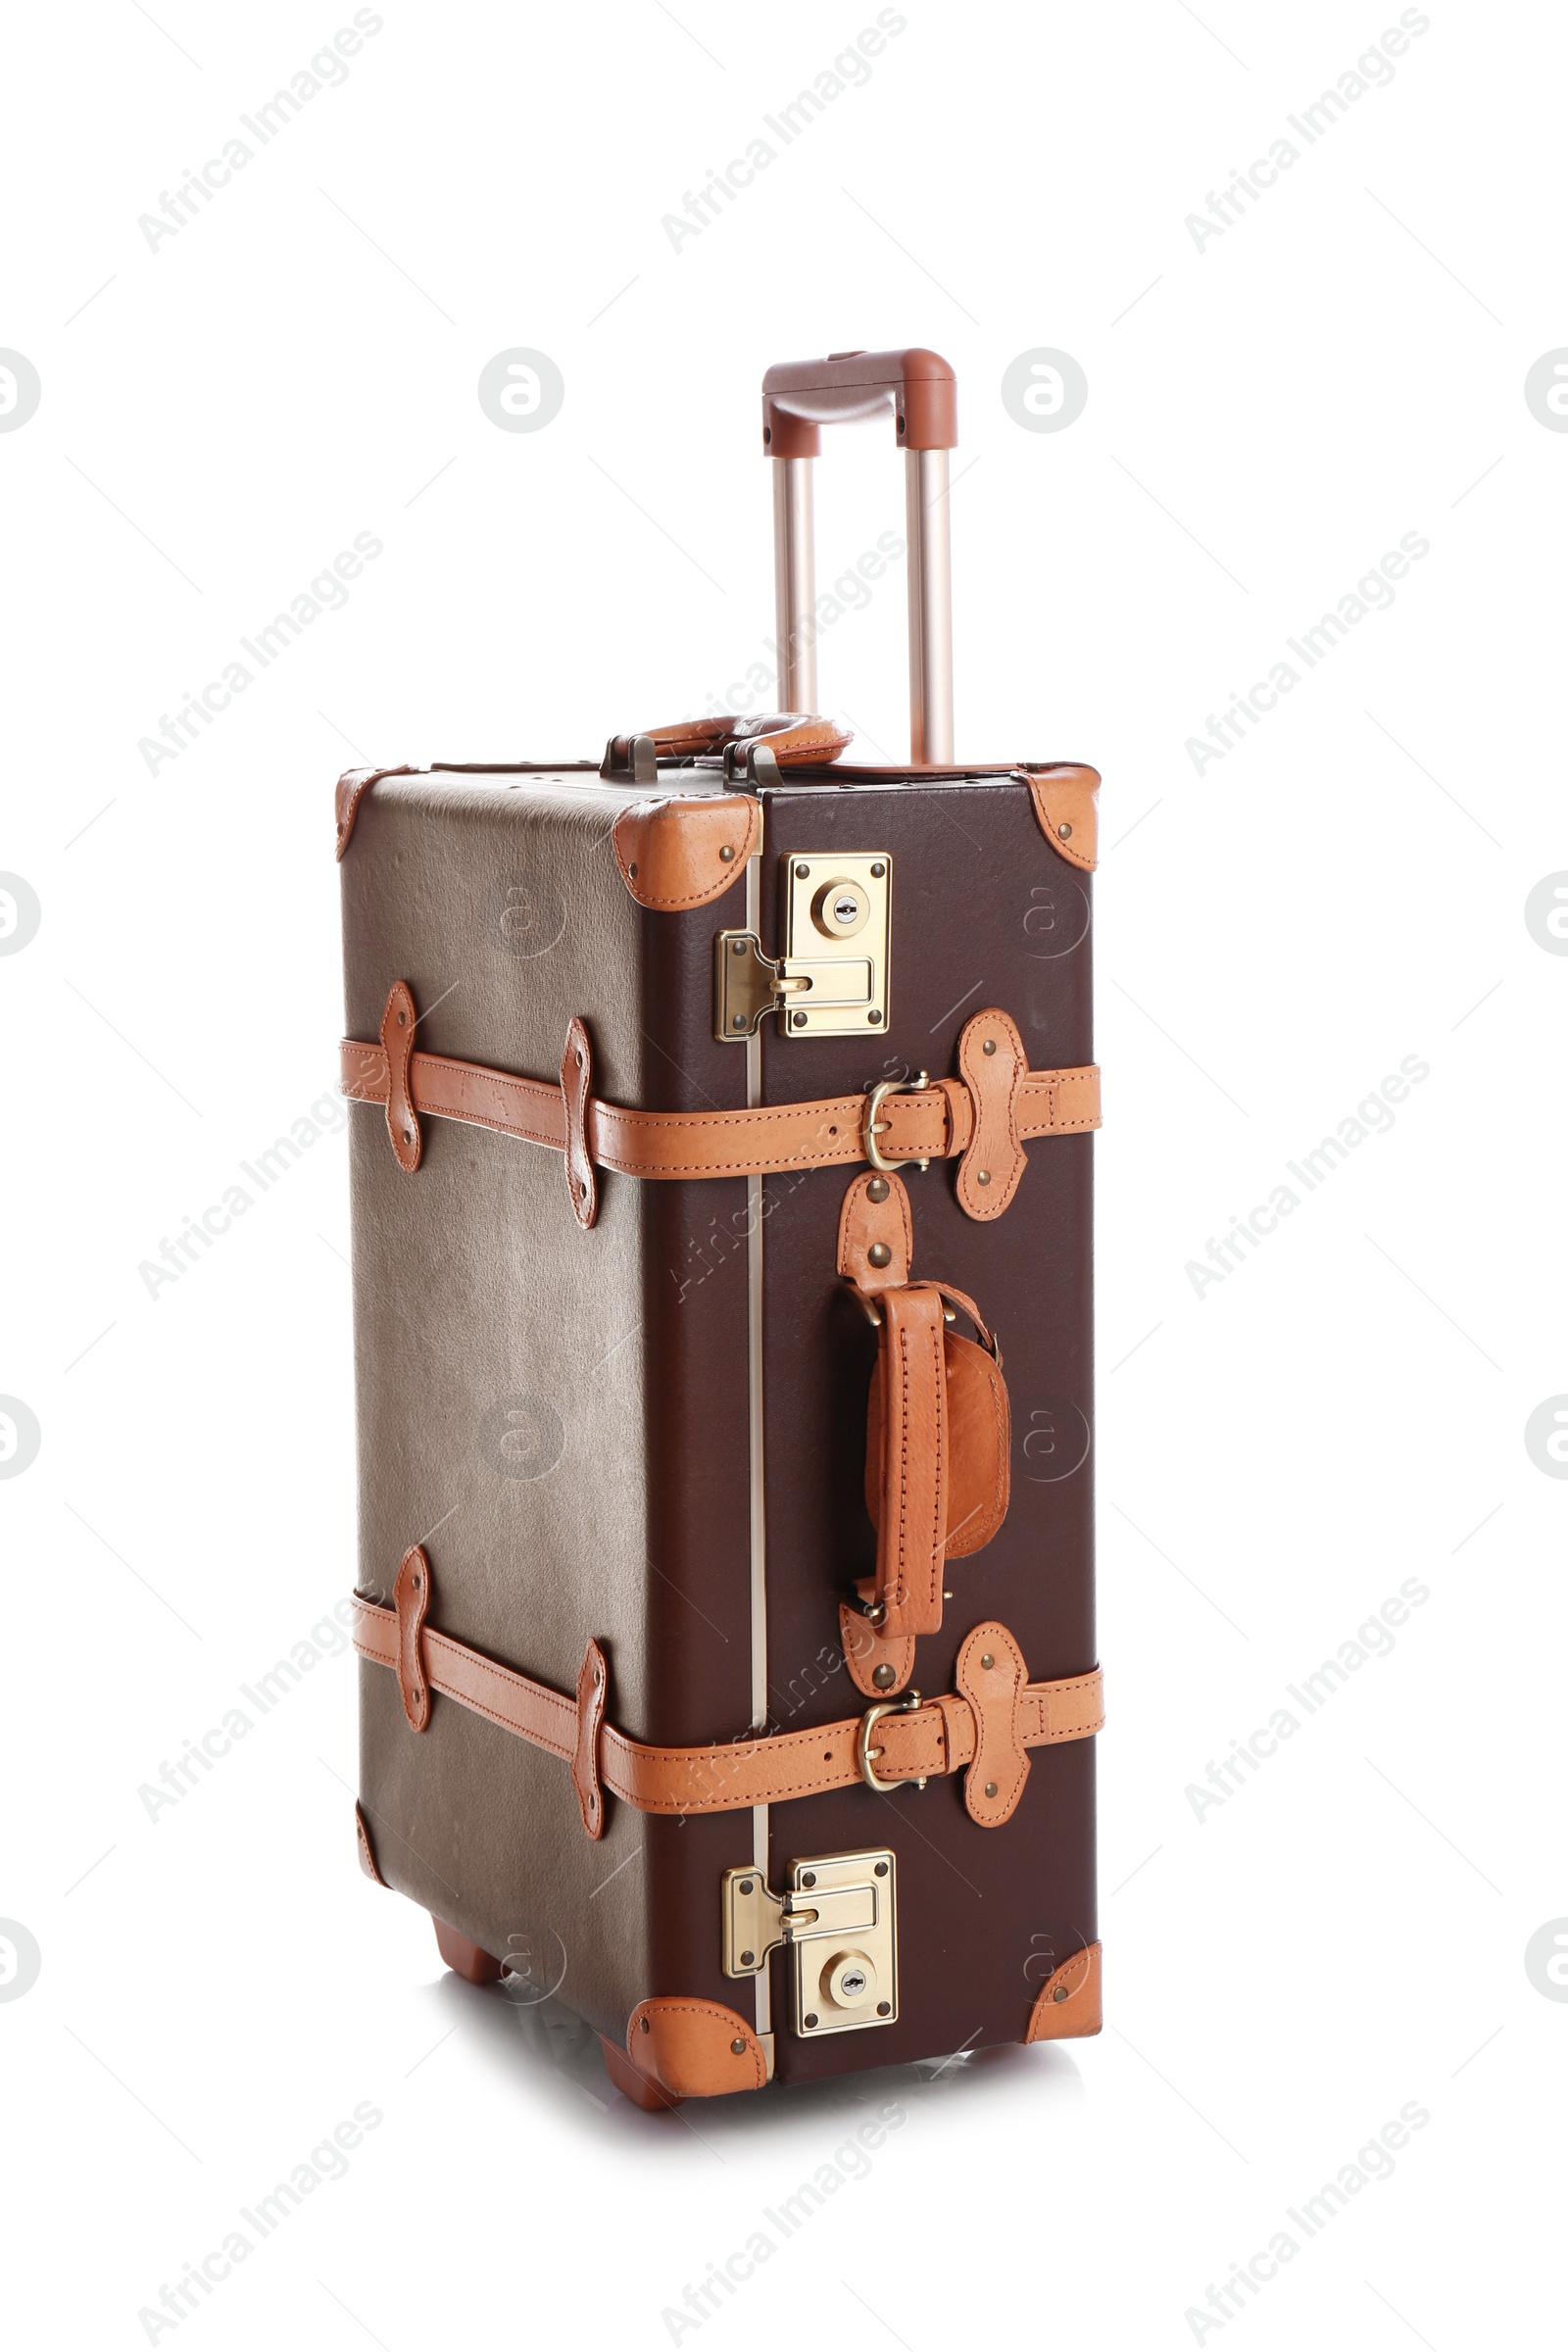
{"x":723,"y":1343}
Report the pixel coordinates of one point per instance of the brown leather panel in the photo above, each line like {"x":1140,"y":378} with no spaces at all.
{"x":876,"y":1216}
{"x":993,"y":1062}
{"x":365,"y":1850}
{"x":651,"y":2097}
{"x":934,"y":1739}
{"x":979,"y":1449}
{"x":411,"y":1602}
{"x":912,"y":1520}
{"x":576,"y":1092}
{"x":869,"y":1651}
{"x":351,"y":786}
{"x":796,"y":739}
{"x":697,"y":2049}
{"x":677,"y":854}
{"x":397,"y":1045}
{"x":1067,"y":804}
{"x":464,"y":1957}
{"x":992,"y":1677}
{"x":592,"y":1691}
{"x":1070,"y":2003}
{"x":934,"y":1124}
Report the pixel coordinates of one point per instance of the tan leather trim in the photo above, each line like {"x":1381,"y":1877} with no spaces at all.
{"x":687,"y":851}
{"x":933,"y":1124}
{"x":351,"y":786}
{"x":1070,"y":2003}
{"x":979,"y":1443}
{"x":868,"y":1651}
{"x":694,"y":2048}
{"x":398,"y":1020}
{"x":994,"y":1063}
{"x":992,"y":1676}
{"x":576,"y":1092}
{"x":913,"y":1521}
{"x":875,"y":1215}
{"x":592,"y":1690}
{"x":936,"y":1738}
{"x":796,"y":739}
{"x":411,"y":1603}
{"x":1067,"y":804}
{"x":363,"y":1846}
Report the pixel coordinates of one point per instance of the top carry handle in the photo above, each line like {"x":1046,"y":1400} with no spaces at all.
{"x":799,"y":398}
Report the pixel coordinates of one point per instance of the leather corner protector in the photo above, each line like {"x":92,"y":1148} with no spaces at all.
{"x":875,"y":1215}
{"x":991,"y":1674}
{"x":1067,"y":804}
{"x":993,"y":1062}
{"x":674,"y":855}
{"x":363,"y":1846}
{"x":411,"y":1600}
{"x":397,"y":1042}
{"x":1070,"y":2003}
{"x":351,"y":786}
{"x":576,"y":1092}
{"x":868,"y":1653}
{"x":695,"y":2049}
{"x":592,"y":1691}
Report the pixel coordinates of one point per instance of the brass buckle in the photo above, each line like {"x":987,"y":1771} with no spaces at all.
{"x":871,"y":1129}
{"x":865,"y":1751}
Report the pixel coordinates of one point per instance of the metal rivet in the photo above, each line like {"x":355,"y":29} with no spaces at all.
{"x":726,"y":856}
{"x":1060,"y":1994}
{"x":989,"y":1046}
{"x":877,"y":1189}
{"x":739,"y":1022}
{"x":1065,"y":832}
{"x":642,"y":2025}
{"x":798,"y":1019}
{"x":598,"y":1678}
{"x":987,"y":1661}
{"x":579,"y":1062}
{"x":875,"y":1019}
{"x":881,"y":1870}
{"x":738,"y":946}
{"x":991,"y":1787}
{"x":808,"y":2023}
{"x":632,"y":870}
{"x":982,"y":1175}
{"x":738,"y":2046}
{"x":878,"y":870}
{"x":884,"y":2008}
{"x":748,"y":1959}
{"x":407,"y":1135}
{"x":807,"y":1877}
{"x":883,"y":1678}
{"x":801,"y":872}
{"x":879,"y":1254}
{"x":746,"y":1885}
{"x":403,"y":1020}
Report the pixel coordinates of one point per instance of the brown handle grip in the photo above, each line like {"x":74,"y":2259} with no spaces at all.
{"x":801,"y":396}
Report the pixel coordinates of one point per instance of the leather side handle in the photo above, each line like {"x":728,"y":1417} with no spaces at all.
{"x":801,"y":396}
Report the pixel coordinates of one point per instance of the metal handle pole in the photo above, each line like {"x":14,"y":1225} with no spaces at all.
{"x":795,"y":583}
{"x":930,"y":564}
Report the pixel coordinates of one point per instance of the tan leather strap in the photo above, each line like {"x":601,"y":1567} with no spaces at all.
{"x":934,"y":1124}
{"x":920,"y":1743}
{"x":913,"y":1521}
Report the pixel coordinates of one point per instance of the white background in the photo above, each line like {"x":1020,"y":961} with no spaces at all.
{"x":1268,"y":414}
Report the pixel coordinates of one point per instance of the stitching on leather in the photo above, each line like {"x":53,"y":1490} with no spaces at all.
{"x":715,"y":890}
{"x":714,"y":2013}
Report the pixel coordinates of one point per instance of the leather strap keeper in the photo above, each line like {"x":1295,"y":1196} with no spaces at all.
{"x":926,"y":1741}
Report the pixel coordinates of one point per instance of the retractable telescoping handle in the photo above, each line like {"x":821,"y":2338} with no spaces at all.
{"x":798,"y":399}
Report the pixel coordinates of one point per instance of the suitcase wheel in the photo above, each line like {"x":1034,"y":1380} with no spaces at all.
{"x":464,"y":1958}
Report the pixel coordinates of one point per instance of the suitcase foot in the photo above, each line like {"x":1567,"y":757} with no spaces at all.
{"x":463,"y":1958}
{"x":631,"y":2084}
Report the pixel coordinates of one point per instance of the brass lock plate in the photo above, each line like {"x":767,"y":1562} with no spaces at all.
{"x":838,"y":1917}
{"x":831,"y":979}
{"x":835,"y":934}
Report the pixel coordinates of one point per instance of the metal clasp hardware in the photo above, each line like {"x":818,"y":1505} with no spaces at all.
{"x":874,"y":1126}
{"x":864,"y":1752}
{"x":839,"y":1917}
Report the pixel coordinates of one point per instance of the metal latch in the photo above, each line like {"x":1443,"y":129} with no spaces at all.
{"x":832,"y":978}
{"x":838,"y":1917}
